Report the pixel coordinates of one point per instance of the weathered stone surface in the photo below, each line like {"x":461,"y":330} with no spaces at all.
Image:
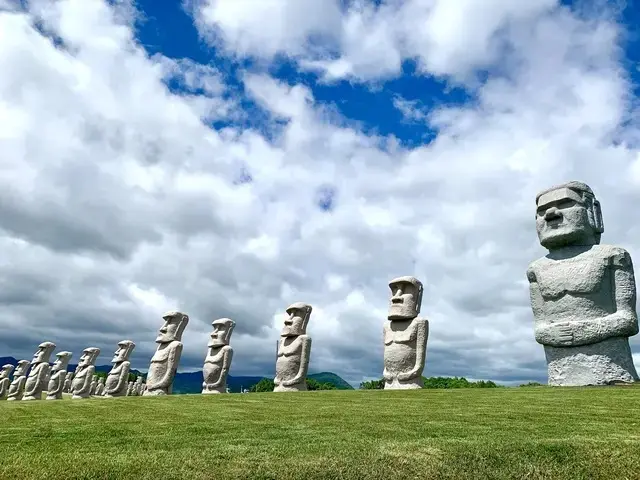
{"x":294,"y":350}
{"x":39,"y":374}
{"x":94,"y":385}
{"x":218,"y":359}
{"x":164,"y":363}
{"x":58,"y":377}
{"x":99,"y":387}
{"x":5,"y":381}
{"x":16,"y":389}
{"x":583,"y":294}
{"x":67,"y":383}
{"x":139,"y":387}
{"x":405,"y":336}
{"x":118,"y":378}
{"x":83,"y":378}
{"x":131,"y":389}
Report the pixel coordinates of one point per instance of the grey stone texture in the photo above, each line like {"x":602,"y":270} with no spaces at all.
{"x":583,"y":294}
{"x":118,"y":377}
{"x":16,"y":389}
{"x":99,"y":387}
{"x":218,"y":359}
{"x":38,"y":377}
{"x":67,"y":383}
{"x":138,"y":386}
{"x":294,"y":350}
{"x":405,"y":336}
{"x":5,"y":380}
{"x":58,"y":377}
{"x":131,"y":389}
{"x":164,"y":363}
{"x":83,"y":378}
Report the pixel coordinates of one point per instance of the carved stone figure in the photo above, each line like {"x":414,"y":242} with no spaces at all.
{"x":164,"y":362}
{"x":81,"y":385}
{"x":405,"y":336}
{"x":583,"y":294}
{"x":293,"y":350}
{"x":16,"y":389}
{"x":67,"y":383}
{"x":94,"y":385}
{"x":99,"y":387}
{"x":5,"y":381}
{"x":130,"y":389}
{"x":39,"y":374}
{"x":139,"y":386}
{"x":117,"y":380}
{"x":218,"y":359}
{"x":58,"y":377}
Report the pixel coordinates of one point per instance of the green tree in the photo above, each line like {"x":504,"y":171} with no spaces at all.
{"x":313,"y":384}
{"x":372,"y":385}
{"x":532,"y":384}
{"x":456,"y":382}
{"x":264,"y":385}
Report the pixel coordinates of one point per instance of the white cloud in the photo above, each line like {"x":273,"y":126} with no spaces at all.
{"x":117,"y":199}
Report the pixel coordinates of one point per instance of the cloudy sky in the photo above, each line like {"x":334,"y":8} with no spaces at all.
{"x":229,"y":157}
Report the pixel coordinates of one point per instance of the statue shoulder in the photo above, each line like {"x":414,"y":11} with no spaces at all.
{"x":532,"y":269}
{"x":617,"y":256}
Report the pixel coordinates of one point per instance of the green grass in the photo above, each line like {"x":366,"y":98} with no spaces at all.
{"x":516,"y":433}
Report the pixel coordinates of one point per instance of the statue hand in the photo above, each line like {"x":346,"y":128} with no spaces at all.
{"x":277,"y":380}
{"x":404,"y":376}
{"x":387,"y":376}
{"x":561,"y":333}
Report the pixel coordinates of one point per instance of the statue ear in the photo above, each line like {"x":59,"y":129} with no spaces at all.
{"x":598,"y":223}
{"x":419,"y":299}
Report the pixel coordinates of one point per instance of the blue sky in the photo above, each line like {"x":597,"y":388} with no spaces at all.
{"x":228,"y":159}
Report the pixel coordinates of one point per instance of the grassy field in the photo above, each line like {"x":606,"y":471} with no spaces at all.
{"x":515,"y":433}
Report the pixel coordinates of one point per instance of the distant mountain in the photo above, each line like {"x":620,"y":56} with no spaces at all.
{"x":191,"y":382}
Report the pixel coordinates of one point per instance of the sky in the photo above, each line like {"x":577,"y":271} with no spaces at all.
{"x":226,"y":158}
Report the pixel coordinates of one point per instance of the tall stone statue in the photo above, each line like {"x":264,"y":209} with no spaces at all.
{"x":58,"y":376}
{"x":405,"y":336}
{"x":164,"y":362}
{"x":16,"y":389}
{"x":293,"y":350}
{"x":81,"y":385}
{"x":67,"y":383}
{"x":5,"y":381}
{"x":139,"y":386}
{"x":39,"y":374}
{"x":219,"y":355}
{"x":583,"y":294}
{"x":118,"y":378}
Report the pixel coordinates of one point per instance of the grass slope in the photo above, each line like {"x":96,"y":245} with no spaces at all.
{"x":518,"y":433}
{"x":330,"y":377}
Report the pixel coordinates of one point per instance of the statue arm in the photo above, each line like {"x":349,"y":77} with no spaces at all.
{"x":124,"y":377}
{"x":304,"y":363}
{"x":87,"y":380}
{"x":227,"y":355}
{"x":388,"y":376}
{"x":624,"y":321}
{"x":277,"y":380}
{"x":167,"y":379}
{"x":541,"y":328}
{"x":422,"y":333}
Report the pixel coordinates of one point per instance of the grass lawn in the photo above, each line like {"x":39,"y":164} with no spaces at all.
{"x":515,"y":433}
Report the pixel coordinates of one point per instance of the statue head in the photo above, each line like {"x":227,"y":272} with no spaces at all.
{"x":139,"y":380}
{"x":173,"y":328}
{"x":568,"y":215}
{"x":62,"y":361}
{"x":89,"y":356}
{"x":101,"y":380}
{"x":221,"y":334}
{"x":6,"y":371}
{"x":295,"y":324}
{"x":43,"y":353}
{"x":21,"y":368}
{"x":125,"y":347}
{"x":406,"y":298}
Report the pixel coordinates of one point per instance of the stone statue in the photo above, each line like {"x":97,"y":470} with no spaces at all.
{"x":94,"y":385}
{"x":583,"y":294}
{"x":58,"y":377}
{"x":219,"y":355}
{"x":130,"y":389}
{"x":83,"y":379}
{"x":164,"y":362}
{"x":67,"y":383}
{"x":405,"y":336}
{"x":139,"y":386}
{"x":118,"y":377}
{"x":39,"y":374}
{"x":16,"y":389}
{"x":293,"y":350}
{"x":99,"y":387}
{"x":5,"y":381}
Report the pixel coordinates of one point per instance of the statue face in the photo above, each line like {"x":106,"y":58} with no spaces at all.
{"x":89,"y":356}
{"x":294,"y":324}
{"x":562,"y":220}
{"x":61,"y":362}
{"x":405,"y":300}
{"x":172,"y":328}
{"x":21,"y":369}
{"x":221,"y":333}
{"x":123,"y":352}
{"x":43,"y":353}
{"x":6,"y":371}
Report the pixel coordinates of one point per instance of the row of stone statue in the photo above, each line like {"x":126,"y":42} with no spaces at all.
{"x":583,"y":297}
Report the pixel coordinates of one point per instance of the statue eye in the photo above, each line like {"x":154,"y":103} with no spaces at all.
{"x":566,"y":203}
